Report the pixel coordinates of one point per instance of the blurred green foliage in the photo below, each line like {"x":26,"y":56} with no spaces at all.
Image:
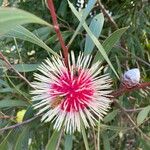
{"x":132,"y":50}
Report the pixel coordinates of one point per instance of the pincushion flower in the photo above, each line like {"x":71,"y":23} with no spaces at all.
{"x":69,"y":96}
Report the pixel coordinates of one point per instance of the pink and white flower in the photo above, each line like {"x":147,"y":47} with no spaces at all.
{"x":68,"y":96}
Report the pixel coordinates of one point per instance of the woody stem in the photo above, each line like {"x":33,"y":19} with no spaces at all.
{"x":57,"y":30}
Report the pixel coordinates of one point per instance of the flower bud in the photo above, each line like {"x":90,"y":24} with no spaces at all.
{"x":131,"y":77}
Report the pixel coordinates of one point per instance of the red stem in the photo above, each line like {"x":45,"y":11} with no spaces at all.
{"x":57,"y":30}
{"x":124,"y":89}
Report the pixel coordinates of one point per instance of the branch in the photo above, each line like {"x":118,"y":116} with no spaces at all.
{"x":132,"y":122}
{"x":7,"y":117}
{"x":124,"y":89}
{"x":136,"y":57}
{"x":19,"y":124}
{"x":110,"y":19}
{"x":57,"y":30}
{"x":133,"y":110}
{"x":9,"y":65}
{"x":114,"y":24}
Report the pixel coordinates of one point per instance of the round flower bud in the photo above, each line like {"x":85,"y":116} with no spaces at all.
{"x":131,"y":77}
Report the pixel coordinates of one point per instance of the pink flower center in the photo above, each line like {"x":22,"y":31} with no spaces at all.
{"x":77,"y":90}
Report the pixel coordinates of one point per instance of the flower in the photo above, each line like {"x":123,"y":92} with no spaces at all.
{"x":67,"y":96}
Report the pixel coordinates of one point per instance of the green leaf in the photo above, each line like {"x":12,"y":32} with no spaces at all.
{"x":106,"y":141}
{"x":88,"y":8}
{"x":2,"y":82}
{"x":62,"y":10}
{"x":143,"y":114}
{"x":68,"y":142}
{"x":24,"y":34}
{"x":6,"y":90}
{"x":145,"y":145}
{"x":1,"y":1}
{"x":85,"y":139}
{"x":12,"y":103}
{"x":110,"y":116}
{"x":42,"y":33}
{"x":53,"y":38}
{"x":22,"y":140}
{"x":11,"y":17}
{"x":4,"y":143}
{"x":52,"y":143}
{"x":94,"y":39}
{"x":2,"y":64}
{"x":86,"y":11}
{"x":26,"y":67}
{"x":96,"y":26}
{"x":110,"y":42}
{"x":111,"y":127}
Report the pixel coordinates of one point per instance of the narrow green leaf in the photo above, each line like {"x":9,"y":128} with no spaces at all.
{"x":88,"y":8}
{"x":106,"y":142}
{"x":85,"y":139}
{"x":12,"y":103}
{"x":110,"y":42}
{"x":52,"y":143}
{"x":24,"y":34}
{"x":94,"y":39}
{"x":2,"y":64}
{"x":4,"y":143}
{"x":96,"y":26}
{"x":6,"y":90}
{"x":111,"y":127}
{"x":29,"y":113}
{"x":53,"y":38}
{"x":22,"y":140}
{"x":110,"y":116}
{"x":68,"y":142}
{"x":118,"y":63}
{"x":42,"y":32}
{"x":113,"y":38}
{"x":26,"y":67}
{"x":143,"y":114}
{"x":86,"y":11}
{"x":2,"y":82}
{"x":1,"y":1}
{"x":98,"y":134}
{"x":145,"y":145}
{"x":62,"y":10}
{"x":11,"y":17}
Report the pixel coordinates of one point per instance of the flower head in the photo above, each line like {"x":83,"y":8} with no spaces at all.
{"x":67,"y":96}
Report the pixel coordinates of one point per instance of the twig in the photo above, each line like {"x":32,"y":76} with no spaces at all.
{"x":57,"y":30}
{"x":114,"y":24}
{"x":110,"y":19}
{"x":136,"y":57}
{"x":7,"y":117}
{"x":9,"y":65}
{"x":133,"y":123}
{"x":133,"y":110}
{"x":18,"y":124}
{"x":124,"y":89}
